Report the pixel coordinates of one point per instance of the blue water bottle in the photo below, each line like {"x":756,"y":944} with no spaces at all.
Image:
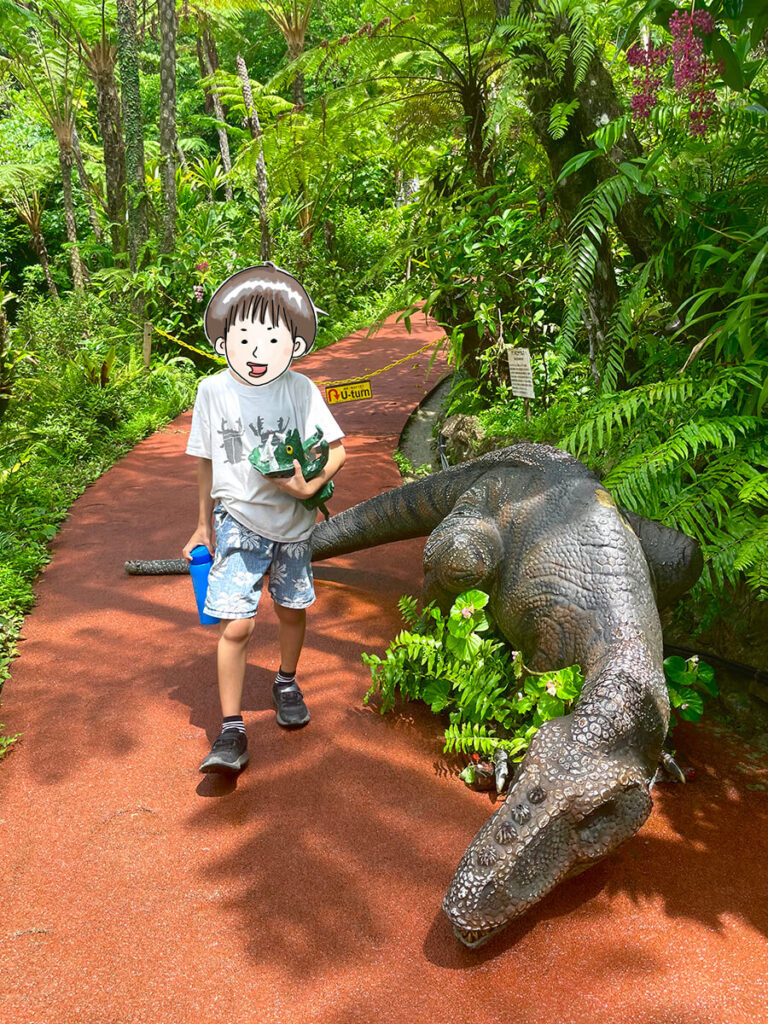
{"x":199,"y":568}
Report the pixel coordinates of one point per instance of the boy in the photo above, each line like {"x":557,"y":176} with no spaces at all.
{"x":260,"y":320}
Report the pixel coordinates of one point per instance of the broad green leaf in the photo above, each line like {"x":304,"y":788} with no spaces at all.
{"x":706,"y":676}
{"x":550,"y":707}
{"x":732,"y":74}
{"x":692,"y":708}
{"x":436,"y":694}
{"x":630,"y":171}
{"x":675,"y":668}
{"x":577,"y":162}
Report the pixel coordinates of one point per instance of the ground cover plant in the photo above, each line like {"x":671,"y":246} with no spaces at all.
{"x":462,"y":669}
{"x":459,"y":666}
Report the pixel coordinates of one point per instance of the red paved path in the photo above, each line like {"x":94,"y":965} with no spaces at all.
{"x":135,"y":891}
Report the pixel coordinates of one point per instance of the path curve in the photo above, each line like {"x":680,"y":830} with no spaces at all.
{"x":135,"y":891}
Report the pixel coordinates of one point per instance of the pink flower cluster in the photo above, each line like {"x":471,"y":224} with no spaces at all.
{"x":649,"y":58}
{"x":692,"y":71}
{"x":199,"y":292}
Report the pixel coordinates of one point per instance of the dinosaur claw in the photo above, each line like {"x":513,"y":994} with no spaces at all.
{"x":672,"y":768}
{"x":501,"y":770}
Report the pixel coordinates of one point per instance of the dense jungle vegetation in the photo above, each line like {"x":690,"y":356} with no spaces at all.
{"x":585,"y":180}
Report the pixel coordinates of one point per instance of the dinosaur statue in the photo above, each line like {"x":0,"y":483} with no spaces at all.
{"x":572,"y":579}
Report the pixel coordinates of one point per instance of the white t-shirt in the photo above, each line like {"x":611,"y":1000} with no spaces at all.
{"x":230,"y":419}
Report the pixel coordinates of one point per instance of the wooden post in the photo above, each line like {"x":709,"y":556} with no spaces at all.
{"x":147,"y":343}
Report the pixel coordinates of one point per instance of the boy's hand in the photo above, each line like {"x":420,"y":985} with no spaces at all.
{"x":296,"y":485}
{"x":202,"y":535}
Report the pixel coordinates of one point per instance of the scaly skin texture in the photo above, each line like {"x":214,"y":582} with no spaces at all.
{"x":569,"y":582}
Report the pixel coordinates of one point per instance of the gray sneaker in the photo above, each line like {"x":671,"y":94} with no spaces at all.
{"x":229,"y":753}
{"x":292,"y":712}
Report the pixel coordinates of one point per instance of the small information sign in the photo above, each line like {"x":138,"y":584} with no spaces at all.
{"x":520,"y":376}
{"x":348,"y":392}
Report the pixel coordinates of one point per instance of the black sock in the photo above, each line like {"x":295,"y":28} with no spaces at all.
{"x":233,"y":722}
{"x":284,"y":678}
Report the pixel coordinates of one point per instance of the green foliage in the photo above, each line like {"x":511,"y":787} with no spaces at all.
{"x":459,"y":667}
{"x":350,"y":265}
{"x":407,"y":468}
{"x":488,"y":265}
{"x":689,"y":682}
{"x":6,"y":742}
{"x":678,"y":450}
{"x":81,"y":399}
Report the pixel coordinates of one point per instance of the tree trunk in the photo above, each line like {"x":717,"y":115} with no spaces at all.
{"x":136,"y":197}
{"x":65,"y":164}
{"x":208,"y":52}
{"x":474,"y":104}
{"x":640,"y":221}
{"x":41,"y":251}
{"x":110,"y":127}
{"x":261,"y":168}
{"x":544,"y":90}
{"x":167,"y":15}
{"x":295,"y":50}
{"x":210,"y":112}
{"x":599,"y":104}
{"x":87,"y":187}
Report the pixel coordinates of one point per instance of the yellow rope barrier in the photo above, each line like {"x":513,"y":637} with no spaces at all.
{"x":200,"y":352}
{"x":374,"y":373}
{"x":321,"y":383}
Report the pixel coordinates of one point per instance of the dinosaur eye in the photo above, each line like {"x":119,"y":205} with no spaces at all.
{"x":289,"y":449}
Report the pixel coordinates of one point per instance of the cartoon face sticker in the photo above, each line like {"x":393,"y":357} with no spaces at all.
{"x":260,"y":319}
{"x":259,"y":353}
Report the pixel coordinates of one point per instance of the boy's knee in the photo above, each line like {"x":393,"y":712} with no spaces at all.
{"x":237,"y":630}
{"x":290,"y":616}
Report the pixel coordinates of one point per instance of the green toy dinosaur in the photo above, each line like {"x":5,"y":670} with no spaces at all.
{"x":312,"y":455}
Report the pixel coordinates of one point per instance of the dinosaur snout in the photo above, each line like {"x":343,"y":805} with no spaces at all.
{"x":546,"y":829}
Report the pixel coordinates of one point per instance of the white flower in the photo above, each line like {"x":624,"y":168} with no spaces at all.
{"x":297,"y":549}
{"x":301,"y":585}
{"x":552,"y":688}
{"x":278,"y":573}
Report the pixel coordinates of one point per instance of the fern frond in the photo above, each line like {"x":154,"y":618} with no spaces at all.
{"x":559,"y":116}
{"x":755,"y":490}
{"x":598,"y":426}
{"x":752,"y":558}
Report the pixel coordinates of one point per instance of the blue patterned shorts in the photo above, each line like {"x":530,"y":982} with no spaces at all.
{"x":243,"y":558}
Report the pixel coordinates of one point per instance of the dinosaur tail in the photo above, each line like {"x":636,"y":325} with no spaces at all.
{"x":158,"y":567}
{"x":413,"y":510}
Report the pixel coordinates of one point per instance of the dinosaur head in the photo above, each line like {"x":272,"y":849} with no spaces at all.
{"x":567,"y":809}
